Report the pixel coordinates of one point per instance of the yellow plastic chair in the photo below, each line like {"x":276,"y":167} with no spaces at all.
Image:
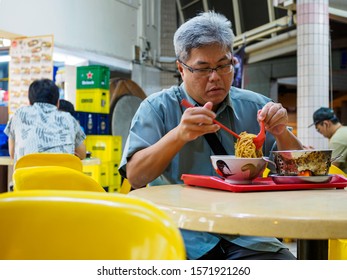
{"x":337,"y":248}
{"x":43,"y":159}
{"x":125,"y":187}
{"x":80,"y":225}
{"x":53,"y":178}
{"x":335,"y":170}
{"x":266,"y":172}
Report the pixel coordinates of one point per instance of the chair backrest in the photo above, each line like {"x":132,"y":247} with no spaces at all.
{"x":337,"y":248}
{"x":70,"y":225}
{"x":125,"y":187}
{"x":266,"y":172}
{"x":43,"y":159}
{"x":335,"y":170}
{"x":53,"y":178}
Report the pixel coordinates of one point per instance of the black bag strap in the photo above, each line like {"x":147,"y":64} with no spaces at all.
{"x":211,"y":138}
{"x":215,"y":144}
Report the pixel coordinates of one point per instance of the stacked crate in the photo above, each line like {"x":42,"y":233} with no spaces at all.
{"x":108,"y":149}
{"x":92,"y":111}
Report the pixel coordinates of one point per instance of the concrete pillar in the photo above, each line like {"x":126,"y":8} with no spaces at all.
{"x":313,"y":67}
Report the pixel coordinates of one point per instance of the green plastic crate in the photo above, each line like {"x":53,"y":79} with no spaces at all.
{"x":92,"y":77}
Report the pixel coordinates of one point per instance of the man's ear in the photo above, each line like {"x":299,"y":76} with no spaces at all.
{"x":180,"y":68}
{"x":235,"y":60}
{"x":58,"y":102}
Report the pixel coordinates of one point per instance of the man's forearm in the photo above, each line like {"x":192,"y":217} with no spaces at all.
{"x":149,"y":163}
{"x":11,"y":147}
{"x":288,"y":141}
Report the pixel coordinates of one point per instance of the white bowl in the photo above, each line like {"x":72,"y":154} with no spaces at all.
{"x":235,"y":170}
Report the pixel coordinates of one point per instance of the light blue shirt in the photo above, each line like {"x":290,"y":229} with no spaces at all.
{"x":161,"y":112}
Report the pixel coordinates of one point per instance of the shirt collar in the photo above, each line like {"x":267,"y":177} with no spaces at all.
{"x":45,"y":106}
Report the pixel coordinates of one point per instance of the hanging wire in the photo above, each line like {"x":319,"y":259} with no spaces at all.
{"x":330,"y":74}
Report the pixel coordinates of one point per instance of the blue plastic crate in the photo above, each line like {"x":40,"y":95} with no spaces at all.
{"x":3,"y":141}
{"x":94,"y":123}
{"x":102,"y":124}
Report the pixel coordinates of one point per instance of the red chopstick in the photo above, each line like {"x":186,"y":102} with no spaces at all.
{"x":187,"y":104}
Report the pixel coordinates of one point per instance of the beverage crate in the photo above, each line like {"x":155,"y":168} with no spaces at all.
{"x":93,"y":76}
{"x":94,"y":123}
{"x":105,"y":147}
{"x":115,"y":179}
{"x":91,"y":167}
{"x":113,"y":189}
{"x":3,"y":141}
{"x":93,"y":100}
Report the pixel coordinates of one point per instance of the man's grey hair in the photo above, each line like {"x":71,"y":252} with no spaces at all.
{"x":205,"y":29}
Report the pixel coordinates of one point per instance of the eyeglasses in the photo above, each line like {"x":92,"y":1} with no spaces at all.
{"x":204,"y":72}
{"x":318,"y":126}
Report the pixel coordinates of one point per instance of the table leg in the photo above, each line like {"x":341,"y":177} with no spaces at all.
{"x":3,"y":178}
{"x":312,"y":249}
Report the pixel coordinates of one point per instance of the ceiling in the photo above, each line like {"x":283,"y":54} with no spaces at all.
{"x":266,"y":31}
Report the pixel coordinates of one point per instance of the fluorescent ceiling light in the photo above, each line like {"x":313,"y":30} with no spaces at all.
{"x":5,"y":42}
{"x":5,"y":58}
{"x":69,"y":59}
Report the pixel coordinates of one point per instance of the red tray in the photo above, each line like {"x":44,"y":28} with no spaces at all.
{"x":259,"y":184}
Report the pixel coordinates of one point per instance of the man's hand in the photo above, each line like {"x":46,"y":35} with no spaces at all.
{"x":275,"y":118}
{"x":197,"y":121}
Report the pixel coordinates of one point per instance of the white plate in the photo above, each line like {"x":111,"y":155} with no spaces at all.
{"x":278,"y":179}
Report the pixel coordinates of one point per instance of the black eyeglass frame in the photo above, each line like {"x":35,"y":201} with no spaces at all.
{"x":208,"y":71}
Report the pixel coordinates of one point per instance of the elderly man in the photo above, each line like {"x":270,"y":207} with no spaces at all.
{"x":167,"y":140}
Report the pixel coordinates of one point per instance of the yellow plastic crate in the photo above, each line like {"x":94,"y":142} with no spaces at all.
{"x":113,"y":189}
{"x":104,"y":174}
{"x":93,"y":100}
{"x":115,"y":178}
{"x":91,"y":167}
{"x":105,"y":147}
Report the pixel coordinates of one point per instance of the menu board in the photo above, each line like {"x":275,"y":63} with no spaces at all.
{"x":31,"y":59}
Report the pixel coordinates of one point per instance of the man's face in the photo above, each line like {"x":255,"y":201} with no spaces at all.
{"x":322,"y":128}
{"x":211,"y":86}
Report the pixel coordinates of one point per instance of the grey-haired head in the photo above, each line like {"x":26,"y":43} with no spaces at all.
{"x":205,"y":29}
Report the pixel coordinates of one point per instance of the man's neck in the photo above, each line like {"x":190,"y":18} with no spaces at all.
{"x":334,"y":128}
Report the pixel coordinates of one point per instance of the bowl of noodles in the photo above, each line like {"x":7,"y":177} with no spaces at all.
{"x":246,"y":165}
{"x":303,"y":162}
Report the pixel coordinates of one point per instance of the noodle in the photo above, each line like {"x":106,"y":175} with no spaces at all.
{"x":245,"y":148}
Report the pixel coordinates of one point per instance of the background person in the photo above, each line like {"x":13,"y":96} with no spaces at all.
{"x":66,"y":106}
{"x":41,"y":127}
{"x":167,"y":140}
{"x":327,"y":124}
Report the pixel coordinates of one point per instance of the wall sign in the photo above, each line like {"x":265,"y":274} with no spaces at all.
{"x":31,"y":59}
